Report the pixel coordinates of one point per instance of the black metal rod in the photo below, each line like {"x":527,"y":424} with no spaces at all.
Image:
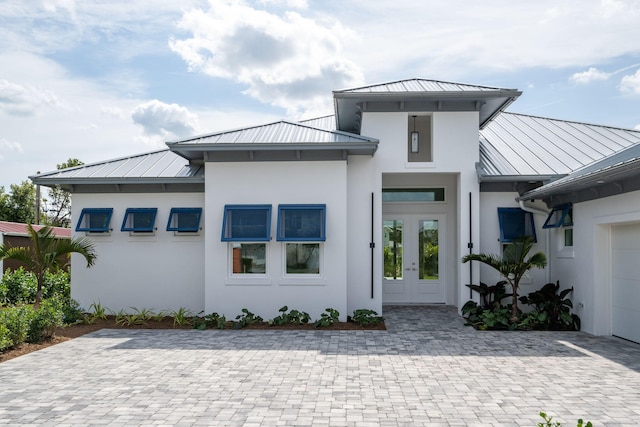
{"x":372,"y":245}
{"x":470,"y":246}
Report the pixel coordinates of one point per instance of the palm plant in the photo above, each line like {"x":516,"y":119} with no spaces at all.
{"x":513,"y":264}
{"x":47,"y":254}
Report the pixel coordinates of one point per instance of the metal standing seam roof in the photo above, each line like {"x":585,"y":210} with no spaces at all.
{"x":420,"y":86}
{"x":162,"y":165}
{"x":281,"y":132}
{"x":623,"y":164}
{"x":420,"y":95}
{"x":516,"y":144}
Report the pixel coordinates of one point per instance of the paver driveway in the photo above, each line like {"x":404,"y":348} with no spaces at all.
{"x":426,"y":369}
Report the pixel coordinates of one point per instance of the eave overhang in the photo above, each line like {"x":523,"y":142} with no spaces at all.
{"x":349,"y":106}
{"x":239,"y":152}
{"x":122,"y":185}
{"x":617,"y":179}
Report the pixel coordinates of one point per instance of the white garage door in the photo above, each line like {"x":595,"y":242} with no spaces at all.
{"x":625,"y":281}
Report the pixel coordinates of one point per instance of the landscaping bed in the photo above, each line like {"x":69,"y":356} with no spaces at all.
{"x":73,"y":331}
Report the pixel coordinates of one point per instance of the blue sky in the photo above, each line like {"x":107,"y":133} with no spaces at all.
{"x":98,"y":80}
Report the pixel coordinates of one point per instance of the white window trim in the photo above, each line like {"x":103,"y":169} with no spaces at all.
{"x":564,"y":251}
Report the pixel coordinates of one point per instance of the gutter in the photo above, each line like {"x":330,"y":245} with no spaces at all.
{"x":536,"y":211}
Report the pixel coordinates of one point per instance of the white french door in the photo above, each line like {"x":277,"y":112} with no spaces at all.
{"x":414,"y":259}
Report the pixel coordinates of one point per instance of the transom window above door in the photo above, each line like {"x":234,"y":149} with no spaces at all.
{"x":413,"y":195}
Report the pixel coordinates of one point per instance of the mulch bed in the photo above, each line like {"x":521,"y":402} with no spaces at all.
{"x":73,"y":331}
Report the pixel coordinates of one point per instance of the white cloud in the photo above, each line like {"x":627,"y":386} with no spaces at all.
{"x":18,"y":99}
{"x":631,"y":83}
{"x":161,"y":121}
{"x":6,"y":146}
{"x":592,"y":74}
{"x":286,"y":60}
{"x":454,"y":38}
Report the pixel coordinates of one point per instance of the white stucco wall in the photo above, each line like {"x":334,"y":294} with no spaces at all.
{"x":490,"y":239}
{"x":589,"y":271}
{"x":455,"y":140}
{"x":160,"y":272}
{"x":276,"y":183}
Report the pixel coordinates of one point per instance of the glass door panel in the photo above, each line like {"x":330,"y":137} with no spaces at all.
{"x":428,"y":257}
{"x":393,"y":233}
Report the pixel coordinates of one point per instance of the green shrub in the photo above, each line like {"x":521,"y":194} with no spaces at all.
{"x":57,"y":284}
{"x":16,"y":320}
{"x":365,"y":317}
{"x":45,"y":320}
{"x":17,"y":287}
{"x":72,"y":312}
{"x":328,"y":318}
{"x":293,"y":317}
{"x":5,"y":338}
{"x":246,"y":318}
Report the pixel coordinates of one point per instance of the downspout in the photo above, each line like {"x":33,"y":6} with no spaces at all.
{"x":535,"y":211}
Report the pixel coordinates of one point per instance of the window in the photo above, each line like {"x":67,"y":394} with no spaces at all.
{"x":514,"y":222}
{"x":413,"y":195}
{"x":301,"y":223}
{"x":302,"y":258}
{"x":184,"y":220}
{"x":94,"y":220}
{"x":299,"y":226}
{"x":560,"y":216}
{"x":139,"y":220}
{"x":249,"y":258}
{"x":246,"y":223}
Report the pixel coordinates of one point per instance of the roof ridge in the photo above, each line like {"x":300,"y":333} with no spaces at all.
{"x":571,"y":121}
{"x":417,"y":79}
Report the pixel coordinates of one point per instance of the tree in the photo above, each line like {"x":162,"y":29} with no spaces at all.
{"x":57,"y":208}
{"x":513,"y":265}
{"x":48,"y":253}
{"x":19,"y":204}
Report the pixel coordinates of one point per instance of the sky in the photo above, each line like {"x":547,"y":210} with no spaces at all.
{"x":103,"y":79}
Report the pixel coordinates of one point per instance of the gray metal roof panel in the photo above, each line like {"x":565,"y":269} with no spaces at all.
{"x":159,"y":165}
{"x":420,"y":85}
{"x":325,"y":122}
{"x":530,"y":145}
{"x":623,"y":164}
{"x":282,"y":132}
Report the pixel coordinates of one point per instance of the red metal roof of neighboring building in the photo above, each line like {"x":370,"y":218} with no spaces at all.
{"x":19,"y":228}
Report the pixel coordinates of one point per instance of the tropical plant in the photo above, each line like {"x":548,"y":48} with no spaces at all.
{"x":365,"y":317}
{"x":181,"y":316}
{"x":512,"y":265}
{"x":328,"y":318}
{"x":246,"y":318}
{"x":293,"y":317}
{"x":552,"y":309}
{"x":47,"y":253}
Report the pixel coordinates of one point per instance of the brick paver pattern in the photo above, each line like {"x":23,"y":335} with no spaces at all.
{"x":426,"y":369}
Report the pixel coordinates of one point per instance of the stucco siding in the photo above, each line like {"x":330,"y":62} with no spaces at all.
{"x":161,"y":271}
{"x":277,"y":183}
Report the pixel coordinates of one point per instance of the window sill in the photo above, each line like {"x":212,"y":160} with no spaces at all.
{"x":248,"y":281}
{"x":303,"y":281}
{"x":565,"y":253}
{"x":420,"y":165}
